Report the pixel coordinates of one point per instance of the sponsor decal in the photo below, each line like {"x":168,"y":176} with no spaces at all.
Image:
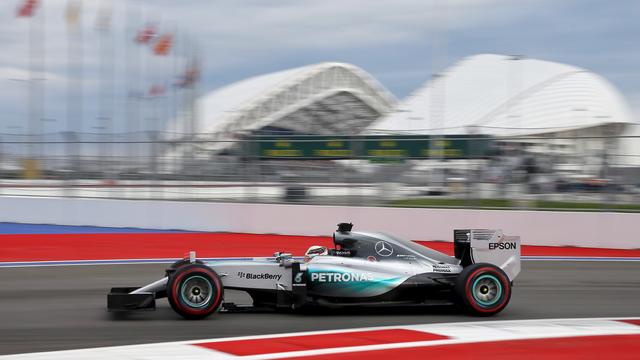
{"x":372,"y":258}
{"x":298,"y":278}
{"x":261,"y":276}
{"x":383,"y":248}
{"x":340,"y":277}
{"x":342,"y":252}
{"x":503,"y":246}
{"x":441,"y":268}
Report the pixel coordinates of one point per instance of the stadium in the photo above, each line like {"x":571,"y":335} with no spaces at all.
{"x":515,"y":97}
{"x":320,"y":99}
{"x":541,"y":105}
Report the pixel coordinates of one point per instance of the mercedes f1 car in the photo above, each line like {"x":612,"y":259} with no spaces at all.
{"x":363,"y":269}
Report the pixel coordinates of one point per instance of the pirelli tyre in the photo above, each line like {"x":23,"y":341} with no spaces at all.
{"x":195,"y":291}
{"x":483,"y":289}
{"x":180,"y":263}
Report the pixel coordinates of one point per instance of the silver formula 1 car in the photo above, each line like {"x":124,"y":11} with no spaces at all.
{"x":363,"y":269}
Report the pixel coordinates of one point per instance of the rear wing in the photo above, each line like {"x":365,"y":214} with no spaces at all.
{"x":473,"y":246}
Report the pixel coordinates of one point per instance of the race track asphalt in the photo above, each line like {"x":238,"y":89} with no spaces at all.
{"x":58,"y":308}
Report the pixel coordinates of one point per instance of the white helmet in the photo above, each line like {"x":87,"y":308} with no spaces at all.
{"x":314,"y":251}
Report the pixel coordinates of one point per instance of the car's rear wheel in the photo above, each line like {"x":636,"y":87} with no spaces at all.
{"x":483,"y":289}
{"x":195,"y":291}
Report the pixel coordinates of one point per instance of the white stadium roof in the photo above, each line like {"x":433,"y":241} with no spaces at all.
{"x":324,"y":98}
{"x":505,"y":95}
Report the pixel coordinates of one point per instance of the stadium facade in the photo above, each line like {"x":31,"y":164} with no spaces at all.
{"x":326,"y":98}
{"x":514,"y":97}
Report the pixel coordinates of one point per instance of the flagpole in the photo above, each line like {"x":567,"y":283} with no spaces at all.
{"x":69,"y":138}
{"x":141,"y":104}
{"x":187,"y":105}
{"x":162,"y":47}
{"x":170,"y":119}
{"x":154,"y":92}
{"x":35,"y":101}
{"x":110,"y":82}
{"x":40,"y":85}
{"x":105,"y":101}
{"x":31,"y":89}
{"x":137,"y":100}
{"x":197,"y":60}
{"x":184,"y":110}
{"x":75,"y":85}
{"x":101,"y":118}
{"x":132,"y":76}
{"x":128,"y":50}
{"x":79,"y":101}
{"x":175,"y":91}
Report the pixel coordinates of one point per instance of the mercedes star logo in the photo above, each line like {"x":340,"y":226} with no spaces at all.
{"x":383,"y":248}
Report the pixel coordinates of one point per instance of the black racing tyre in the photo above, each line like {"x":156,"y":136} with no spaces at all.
{"x":483,"y":289}
{"x":195,"y":291}
{"x":173,"y":267}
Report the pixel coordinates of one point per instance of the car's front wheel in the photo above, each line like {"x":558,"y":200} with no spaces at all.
{"x":195,"y":291}
{"x":483,"y":289}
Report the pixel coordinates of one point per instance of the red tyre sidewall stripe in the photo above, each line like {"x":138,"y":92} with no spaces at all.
{"x":504,"y":284}
{"x":189,"y":310}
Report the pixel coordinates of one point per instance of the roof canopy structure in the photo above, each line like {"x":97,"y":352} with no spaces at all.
{"x":326,"y":98}
{"x":506,"y":95}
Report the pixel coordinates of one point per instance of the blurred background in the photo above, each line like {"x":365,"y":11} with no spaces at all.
{"x":465,"y":103}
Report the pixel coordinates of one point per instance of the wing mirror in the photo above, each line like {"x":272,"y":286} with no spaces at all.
{"x":284,"y":259}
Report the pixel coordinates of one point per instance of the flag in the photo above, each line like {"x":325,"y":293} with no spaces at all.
{"x":163,"y":45}
{"x":146,"y":34}
{"x":156,"y":90}
{"x":27,"y":9}
{"x":191,"y":74}
{"x":103,"y":19}
{"x":135,"y":94}
{"x":72,"y":14}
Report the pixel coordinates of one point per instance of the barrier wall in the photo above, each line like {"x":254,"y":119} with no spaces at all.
{"x":585,"y":229}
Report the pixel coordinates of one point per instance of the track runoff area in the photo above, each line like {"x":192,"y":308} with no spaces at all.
{"x":587,"y":286}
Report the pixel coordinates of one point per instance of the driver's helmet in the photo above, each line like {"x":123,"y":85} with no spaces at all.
{"x":314,"y":251}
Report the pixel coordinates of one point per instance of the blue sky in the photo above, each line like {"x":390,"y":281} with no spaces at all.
{"x":394,"y":40}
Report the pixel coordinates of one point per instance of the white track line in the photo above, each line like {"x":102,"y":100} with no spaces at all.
{"x":458,"y":333}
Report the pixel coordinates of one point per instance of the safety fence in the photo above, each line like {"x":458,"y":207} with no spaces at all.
{"x":568,"y":171}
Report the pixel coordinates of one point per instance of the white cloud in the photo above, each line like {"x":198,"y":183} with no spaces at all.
{"x":237,"y":32}
{"x":22,"y":74}
{"x":240,"y":33}
{"x":230,"y":30}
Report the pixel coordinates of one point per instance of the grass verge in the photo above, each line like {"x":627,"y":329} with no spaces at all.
{"x":514,"y":204}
